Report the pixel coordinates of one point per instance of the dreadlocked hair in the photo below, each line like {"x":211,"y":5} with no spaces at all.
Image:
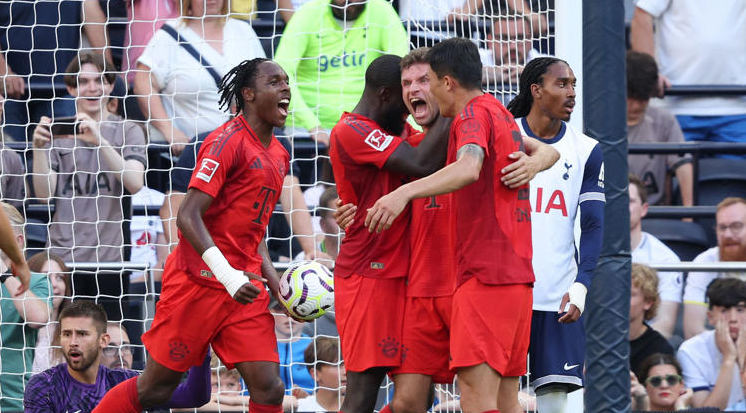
{"x":532,"y":74}
{"x":239,"y":77}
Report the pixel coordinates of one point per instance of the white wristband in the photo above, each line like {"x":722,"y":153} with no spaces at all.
{"x":231,"y":278}
{"x":577,"y":294}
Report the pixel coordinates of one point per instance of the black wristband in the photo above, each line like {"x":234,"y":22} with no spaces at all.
{"x":3,"y":277}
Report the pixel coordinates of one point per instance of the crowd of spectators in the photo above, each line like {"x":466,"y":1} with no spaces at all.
{"x":151,"y":97}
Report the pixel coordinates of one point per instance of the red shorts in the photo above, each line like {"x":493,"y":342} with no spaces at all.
{"x":189,"y":317}
{"x":491,"y":324}
{"x":369,"y":313}
{"x":427,"y":324}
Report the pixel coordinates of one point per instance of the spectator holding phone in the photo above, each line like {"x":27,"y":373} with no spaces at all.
{"x":85,"y":166}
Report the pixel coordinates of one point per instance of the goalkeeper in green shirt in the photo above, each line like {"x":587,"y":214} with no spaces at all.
{"x":325,"y":49}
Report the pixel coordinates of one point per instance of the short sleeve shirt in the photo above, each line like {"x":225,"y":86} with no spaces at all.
{"x":244,"y":178}
{"x":657,"y":126}
{"x":55,"y":391}
{"x":695,"y":291}
{"x":188,"y":91}
{"x":359,"y":150}
{"x":493,"y":222}
{"x":433,"y":272}
{"x":653,"y":250}
{"x":12,"y":172}
{"x":18,"y":343}
{"x":87,"y":222}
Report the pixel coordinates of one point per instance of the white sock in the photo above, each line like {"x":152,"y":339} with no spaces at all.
{"x":553,"y":401}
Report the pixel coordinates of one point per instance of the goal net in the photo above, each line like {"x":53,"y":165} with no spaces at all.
{"x":105,"y":202}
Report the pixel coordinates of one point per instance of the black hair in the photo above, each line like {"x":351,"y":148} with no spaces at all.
{"x":642,"y":76}
{"x":384,"y":71}
{"x":243,"y":75}
{"x":457,"y":57}
{"x":726,"y":292}
{"x":86,"y":308}
{"x":655,"y":359}
{"x":532,"y":74}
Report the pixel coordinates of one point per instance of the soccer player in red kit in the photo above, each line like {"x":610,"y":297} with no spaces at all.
{"x":370,"y":158}
{"x":491,"y":313}
{"x":222,"y":223}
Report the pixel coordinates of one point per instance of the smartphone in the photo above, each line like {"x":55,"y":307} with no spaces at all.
{"x":64,"y":126}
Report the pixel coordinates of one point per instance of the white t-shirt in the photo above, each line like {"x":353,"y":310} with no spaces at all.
{"x":695,"y":291}
{"x":701,"y":43}
{"x":309,"y":404}
{"x":188,"y":92}
{"x":144,"y":229}
{"x":556,"y":195}
{"x":423,"y":10}
{"x":700,"y":362}
{"x":653,"y":251}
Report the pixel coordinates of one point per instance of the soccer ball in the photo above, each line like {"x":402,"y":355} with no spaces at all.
{"x":307,"y":290}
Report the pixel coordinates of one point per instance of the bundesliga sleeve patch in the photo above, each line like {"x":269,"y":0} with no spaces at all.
{"x":207,"y":169}
{"x":378,"y":140}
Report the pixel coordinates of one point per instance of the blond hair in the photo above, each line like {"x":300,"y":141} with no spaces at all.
{"x":646,"y":279}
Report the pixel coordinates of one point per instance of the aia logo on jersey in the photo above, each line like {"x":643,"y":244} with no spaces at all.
{"x":556,"y":201}
{"x":207,"y":169}
{"x":378,"y":140}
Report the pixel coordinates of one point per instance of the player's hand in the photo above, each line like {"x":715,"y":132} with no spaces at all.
{"x":383,"y":213}
{"x":23,"y":273}
{"x":248,"y":292}
{"x":723,"y":340}
{"x":520,"y":172}
{"x":42,"y":134}
{"x":345,"y":214}
{"x":573,"y":313}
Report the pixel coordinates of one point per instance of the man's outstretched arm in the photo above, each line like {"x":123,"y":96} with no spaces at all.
{"x":455,"y":176}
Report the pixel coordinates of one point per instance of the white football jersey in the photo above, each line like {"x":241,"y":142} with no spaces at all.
{"x":556,"y":195}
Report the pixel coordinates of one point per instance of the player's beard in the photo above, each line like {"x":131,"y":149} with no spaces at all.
{"x":85,"y":361}
{"x":393,"y":122}
{"x":732,"y":253}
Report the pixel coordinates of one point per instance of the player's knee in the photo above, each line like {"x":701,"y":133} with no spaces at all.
{"x":409,"y":403}
{"x":270,"y":391}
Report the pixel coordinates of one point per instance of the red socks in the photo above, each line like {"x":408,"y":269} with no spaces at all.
{"x":255,"y":407}
{"x":121,"y":399}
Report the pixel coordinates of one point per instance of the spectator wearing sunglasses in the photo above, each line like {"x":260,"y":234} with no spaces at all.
{"x":660,"y":376}
{"x":713,"y":361}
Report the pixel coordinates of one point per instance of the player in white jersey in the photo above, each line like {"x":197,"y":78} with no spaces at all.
{"x":571,"y":190}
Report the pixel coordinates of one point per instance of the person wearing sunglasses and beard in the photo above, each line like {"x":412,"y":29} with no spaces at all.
{"x":661,"y":384}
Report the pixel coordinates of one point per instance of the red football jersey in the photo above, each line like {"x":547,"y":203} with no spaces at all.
{"x":358,"y":150}
{"x":432,"y":267}
{"x":245,"y":179}
{"x":493,"y":222}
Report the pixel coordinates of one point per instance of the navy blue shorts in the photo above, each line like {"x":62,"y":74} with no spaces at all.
{"x":556,"y":352}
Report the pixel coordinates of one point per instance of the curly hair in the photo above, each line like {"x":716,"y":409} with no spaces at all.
{"x":646,"y":279}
